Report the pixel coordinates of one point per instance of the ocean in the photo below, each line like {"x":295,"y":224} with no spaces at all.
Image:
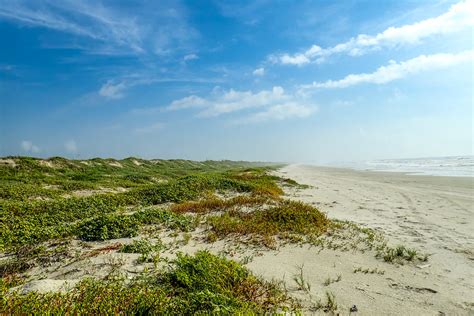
{"x":455,"y":166}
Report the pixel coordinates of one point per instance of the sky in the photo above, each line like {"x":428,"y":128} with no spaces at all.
{"x":268,"y":80}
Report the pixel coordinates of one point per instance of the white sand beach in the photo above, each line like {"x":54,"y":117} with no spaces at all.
{"x":431,"y":214}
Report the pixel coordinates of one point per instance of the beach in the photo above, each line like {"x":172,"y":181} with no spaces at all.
{"x":387,"y":244}
{"x":431,"y":214}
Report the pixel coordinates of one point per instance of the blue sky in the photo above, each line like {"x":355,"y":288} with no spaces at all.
{"x":301,"y":81}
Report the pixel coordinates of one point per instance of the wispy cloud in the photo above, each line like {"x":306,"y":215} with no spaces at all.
{"x":29,"y":147}
{"x":189,"y":57}
{"x":259,"y":72}
{"x":109,"y":90}
{"x":109,"y":29}
{"x":459,"y":17}
{"x":280,"y":112}
{"x":274,"y":104}
{"x":396,"y":70}
{"x":114,"y":89}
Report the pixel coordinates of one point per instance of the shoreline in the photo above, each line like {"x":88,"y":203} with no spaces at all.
{"x":384,"y":172}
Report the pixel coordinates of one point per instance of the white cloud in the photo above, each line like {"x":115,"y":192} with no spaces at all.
{"x":191,"y":101}
{"x":113,"y":91}
{"x":190,"y":57}
{"x":149,"y":129}
{"x":29,"y":147}
{"x":259,"y":72}
{"x":274,"y":104}
{"x":71,"y":146}
{"x":459,"y":17}
{"x":396,"y":70}
{"x":281,"y":112}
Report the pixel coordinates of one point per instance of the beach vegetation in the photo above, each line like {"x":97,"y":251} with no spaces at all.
{"x":263,"y":226}
{"x":300,"y":281}
{"x":199,"y":284}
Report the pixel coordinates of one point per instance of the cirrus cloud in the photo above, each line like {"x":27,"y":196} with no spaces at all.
{"x":459,"y":17}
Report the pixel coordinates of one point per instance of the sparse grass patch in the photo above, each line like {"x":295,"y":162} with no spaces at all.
{"x":329,"y":305}
{"x":367,"y":270}
{"x":300,"y":280}
{"x":329,"y":280}
{"x":398,"y":254}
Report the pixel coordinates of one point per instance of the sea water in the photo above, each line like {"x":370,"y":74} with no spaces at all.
{"x":455,"y":166}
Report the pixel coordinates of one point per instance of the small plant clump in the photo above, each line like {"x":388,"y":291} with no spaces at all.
{"x":148,"y":251}
{"x":108,"y":227}
{"x":367,"y":270}
{"x":399,"y":254}
{"x":329,"y":280}
{"x":329,"y":305}
{"x":300,"y":280}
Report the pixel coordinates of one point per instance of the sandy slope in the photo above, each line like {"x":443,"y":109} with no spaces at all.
{"x":433,"y":214}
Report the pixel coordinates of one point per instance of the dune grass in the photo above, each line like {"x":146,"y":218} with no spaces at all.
{"x":199,"y":284}
{"x":34,"y":207}
{"x":262,"y":226}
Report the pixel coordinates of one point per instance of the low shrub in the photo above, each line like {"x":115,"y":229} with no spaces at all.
{"x":142,"y":246}
{"x":108,"y":227}
{"x":167,"y":218}
{"x":287,"y":217}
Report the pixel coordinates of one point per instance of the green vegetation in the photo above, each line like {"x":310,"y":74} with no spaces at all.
{"x":40,"y":201}
{"x":51,"y":210}
{"x":327,"y":306}
{"x":201,"y":284}
{"x":300,"y":280}
{"x":330,"y":281}
{"x":108,"y":227}
{"x":149,"y":252}
{"x":367,"y":270}
{"x":277,"y":221}
{"x":399,"y":253}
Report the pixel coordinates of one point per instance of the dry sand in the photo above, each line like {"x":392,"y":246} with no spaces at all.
{"x":431,"y":214}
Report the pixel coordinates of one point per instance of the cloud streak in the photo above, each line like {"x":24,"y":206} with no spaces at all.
{"x":459,"y":17}
{"x":108,"y":29}
{"x":396,"y":70}
{"x":264,"y":105}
